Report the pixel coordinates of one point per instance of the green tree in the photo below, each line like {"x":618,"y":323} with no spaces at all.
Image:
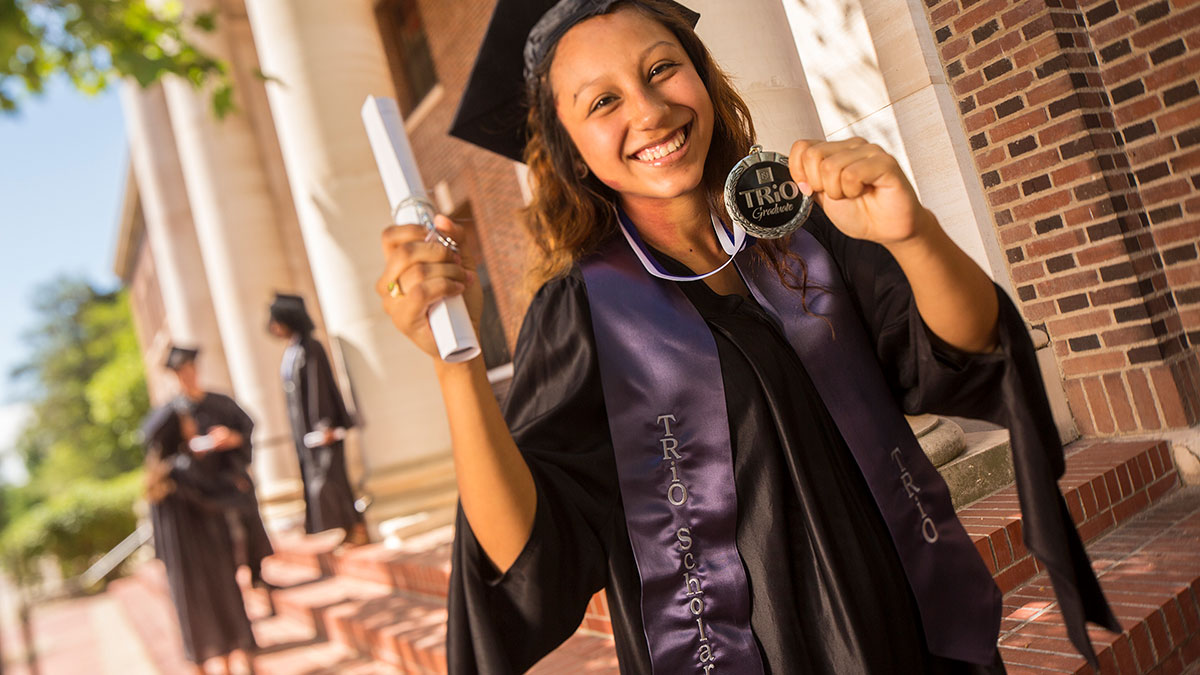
{"x":76,"y":526}
{"x":88,"y":393}
{"x":87,"y":384}
{"x":94,"y":42}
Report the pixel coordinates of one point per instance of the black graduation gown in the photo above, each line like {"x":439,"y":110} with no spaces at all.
{"x":827,"y":590}
{"x":191,"y":538}
{"x":313,"y":403}
{"x":220,"y":410}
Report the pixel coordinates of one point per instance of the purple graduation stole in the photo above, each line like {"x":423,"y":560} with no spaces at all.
{"x":670,"y":430}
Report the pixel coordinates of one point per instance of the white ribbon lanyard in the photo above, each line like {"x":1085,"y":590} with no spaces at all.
{"x":731,"y":246}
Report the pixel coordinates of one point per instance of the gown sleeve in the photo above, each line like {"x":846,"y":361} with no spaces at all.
{"x":212,"y":493}
{"x":504,"y":623}
{"x":326,"y":410}
{"x":232,"y":416}
{"x":1003,"y":387}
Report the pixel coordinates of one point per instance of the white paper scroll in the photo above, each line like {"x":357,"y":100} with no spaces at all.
{"x":448,"y":319}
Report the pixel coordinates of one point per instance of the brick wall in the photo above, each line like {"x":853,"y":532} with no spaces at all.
{"x":486,"y":181}
{"x":1083,"y":117}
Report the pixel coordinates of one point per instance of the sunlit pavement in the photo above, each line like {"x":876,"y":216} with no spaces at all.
{"x":83,"y":635}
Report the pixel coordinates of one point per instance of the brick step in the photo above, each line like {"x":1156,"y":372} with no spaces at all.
{"x":408,"y":631}
{"x":310,"y":603}
{"x":312,"y":551}
{"x":421,"y":566}
{"x":288,"y":647}
{"x":1150,"y":570}
{"x":374,"y":611}
{"x":1149,"y":567}
{"x":285,"y":574}
{"x":1106,"y":483}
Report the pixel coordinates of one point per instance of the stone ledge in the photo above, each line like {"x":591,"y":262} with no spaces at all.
{"x":985,"y":467}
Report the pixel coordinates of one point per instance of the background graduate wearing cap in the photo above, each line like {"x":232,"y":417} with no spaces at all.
{"x":188,"y":500}
{"x":227,"y":429}
{"x":791,"y":562}
{"x":319,"y":421}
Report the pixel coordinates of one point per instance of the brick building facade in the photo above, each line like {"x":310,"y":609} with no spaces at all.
{"x":1084,"y":122}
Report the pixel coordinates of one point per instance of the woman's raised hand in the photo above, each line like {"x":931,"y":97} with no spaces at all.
{"x":496,"y":488}
{"x":425,"y":272}
{"x":860,"y":187}
{"x":866,"y":195}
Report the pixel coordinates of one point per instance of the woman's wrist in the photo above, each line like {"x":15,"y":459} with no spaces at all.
{"x":928,"y":238}
{"x":453,"y":372}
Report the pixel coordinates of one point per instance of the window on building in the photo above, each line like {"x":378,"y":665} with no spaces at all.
{"x":407,"y":49}
{"x":491,"y":329}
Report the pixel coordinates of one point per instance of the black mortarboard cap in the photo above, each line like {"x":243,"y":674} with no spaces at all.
{"x":290,"y":311}
{"x":492,"y":111}
{"x":177,"y":356}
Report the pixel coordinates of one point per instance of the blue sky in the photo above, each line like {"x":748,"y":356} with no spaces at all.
{"x":62,"y":168}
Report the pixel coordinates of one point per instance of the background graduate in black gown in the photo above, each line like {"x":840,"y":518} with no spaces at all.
{"x":319,"y":420}
{"x":188,"y":499}
{"x":227,"y":428}
{"x":619,"y":103}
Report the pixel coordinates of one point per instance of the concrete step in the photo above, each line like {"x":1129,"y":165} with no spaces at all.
{"x":1150,"y":570}
{"x":985,"y":466}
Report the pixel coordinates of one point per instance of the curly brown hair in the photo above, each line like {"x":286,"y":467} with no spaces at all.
{"x":571,"y":215}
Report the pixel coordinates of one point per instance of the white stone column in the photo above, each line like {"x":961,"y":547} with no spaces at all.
{"x":875,"y":73}
{"x":171,"y":233}
{"x":243,"y":257}
{"x":751,"y":41}
{"x":324,"y":58}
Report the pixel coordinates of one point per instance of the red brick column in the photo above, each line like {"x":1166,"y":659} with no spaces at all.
{"x":486,"y":181}
{"x":1084,"y":122}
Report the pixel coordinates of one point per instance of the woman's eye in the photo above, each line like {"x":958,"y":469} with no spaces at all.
{"x":661,"y":68}
{"x":602,"y":102}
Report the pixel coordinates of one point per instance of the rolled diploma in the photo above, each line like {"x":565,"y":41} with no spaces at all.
{"x":448,"y":318}
{"x":316,"y":439}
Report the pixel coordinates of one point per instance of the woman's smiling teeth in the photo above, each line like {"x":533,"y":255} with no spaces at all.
{"x":657,"y":152}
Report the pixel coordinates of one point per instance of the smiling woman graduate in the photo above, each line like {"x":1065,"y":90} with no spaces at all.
{"x":721,"y":447}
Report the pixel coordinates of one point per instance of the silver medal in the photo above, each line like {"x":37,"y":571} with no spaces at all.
{"x":761,"y":196}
